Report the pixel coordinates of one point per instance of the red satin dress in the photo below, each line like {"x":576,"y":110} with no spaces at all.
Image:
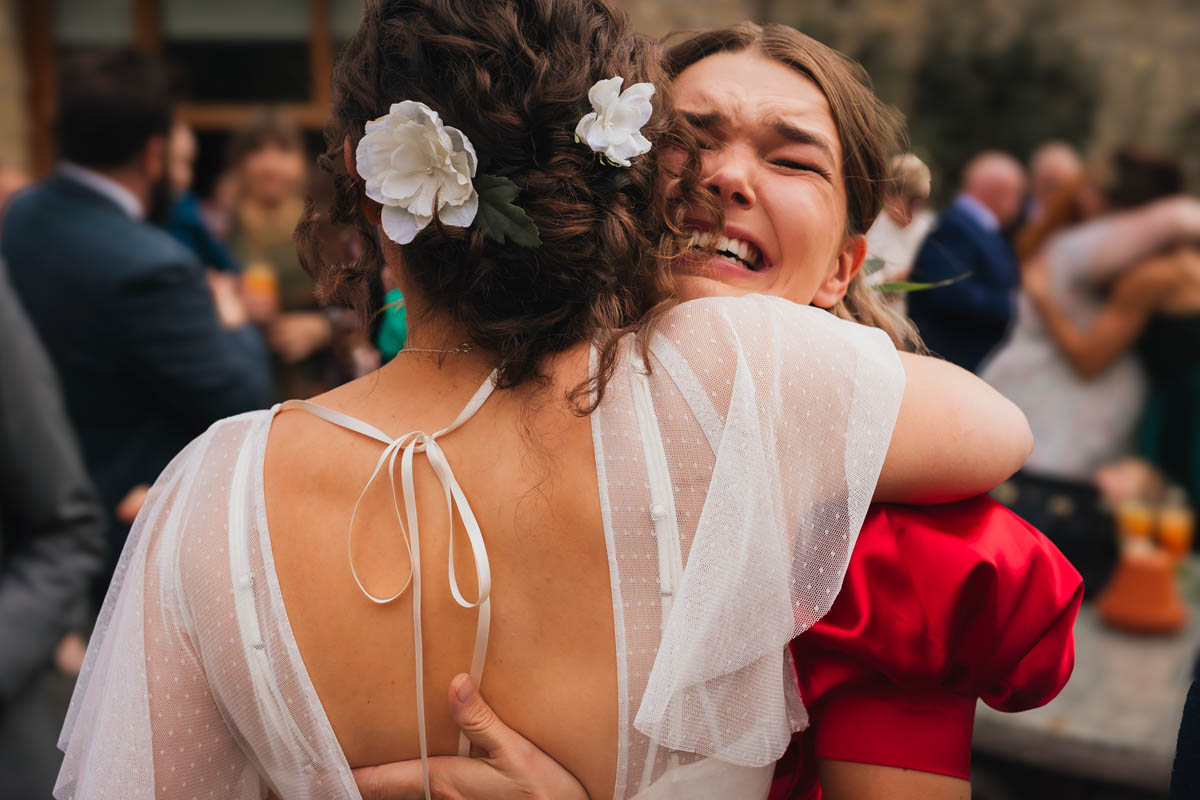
{"x":941,"y":605}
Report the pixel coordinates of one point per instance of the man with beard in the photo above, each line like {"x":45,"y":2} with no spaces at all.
{"x":149,"y":351}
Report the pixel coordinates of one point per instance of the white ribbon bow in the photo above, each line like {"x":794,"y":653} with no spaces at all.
{"x":406,"y":447}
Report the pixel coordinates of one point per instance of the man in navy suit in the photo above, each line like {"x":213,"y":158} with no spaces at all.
{"x":963,"y":322}
{"x":148,"y":352}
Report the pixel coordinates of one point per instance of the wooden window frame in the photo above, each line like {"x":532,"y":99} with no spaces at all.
{"x":41,"y":69}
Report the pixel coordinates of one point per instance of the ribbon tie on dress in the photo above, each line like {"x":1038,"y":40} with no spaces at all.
{"x":405,"y":447}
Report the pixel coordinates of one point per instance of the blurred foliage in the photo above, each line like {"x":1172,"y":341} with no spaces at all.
{"x":1187,"y":142}
{"x":970,"y":95}
{"x":972,"y":80}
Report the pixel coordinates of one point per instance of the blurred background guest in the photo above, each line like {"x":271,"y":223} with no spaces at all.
{"x":219,"y":208}
{"x":1095,"y":230}
{"x":1152,"y":311}
{"x":896,"y":236}
{"x":147,"y":354}
{"x":964,"y":321}
{"x":51,"y":545}
{"x":1052,"y":167}
{"x":185,"y":221}
{"x":268,"y":158}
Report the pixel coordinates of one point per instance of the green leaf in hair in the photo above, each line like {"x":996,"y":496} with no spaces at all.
{"x":499,"y":218}
{"x":894,"y":287}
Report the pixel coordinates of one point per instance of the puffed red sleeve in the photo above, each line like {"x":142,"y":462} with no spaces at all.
{"x":940,"y":605}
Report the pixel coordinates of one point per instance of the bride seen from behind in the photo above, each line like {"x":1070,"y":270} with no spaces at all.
{"x":730,"y":446}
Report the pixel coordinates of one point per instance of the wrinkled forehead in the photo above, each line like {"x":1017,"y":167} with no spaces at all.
{"x":750,"y":92}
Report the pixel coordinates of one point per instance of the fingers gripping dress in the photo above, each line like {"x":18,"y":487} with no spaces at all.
{"x":734,"y":472}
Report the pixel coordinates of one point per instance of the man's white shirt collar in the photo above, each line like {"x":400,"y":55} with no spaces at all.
{"x":106,"y":186}
{"x":979,"y":212}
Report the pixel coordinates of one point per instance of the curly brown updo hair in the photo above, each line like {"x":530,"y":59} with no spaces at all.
{"x":513,"y":76}
{"x":869,"y":131}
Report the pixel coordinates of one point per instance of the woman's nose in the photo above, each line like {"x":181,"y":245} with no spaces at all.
{"x":729,"y":177}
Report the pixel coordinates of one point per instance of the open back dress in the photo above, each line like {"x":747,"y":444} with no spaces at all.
{"x":734,"y":472}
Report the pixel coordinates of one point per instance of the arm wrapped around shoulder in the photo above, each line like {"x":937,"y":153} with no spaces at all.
{"x":941,"y":605}
{"x":789,"y":413}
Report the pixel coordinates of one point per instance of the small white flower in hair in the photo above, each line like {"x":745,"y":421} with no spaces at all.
{"x":417,"y":168}
{"x":613,"y":128}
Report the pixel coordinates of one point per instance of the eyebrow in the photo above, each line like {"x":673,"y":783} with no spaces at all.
{"x":705,"y":120}
{"x":801,"y":136}
{"x":709,"y":120}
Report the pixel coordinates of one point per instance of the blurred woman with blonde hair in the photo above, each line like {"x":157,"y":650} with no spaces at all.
{"x":899,"y":230}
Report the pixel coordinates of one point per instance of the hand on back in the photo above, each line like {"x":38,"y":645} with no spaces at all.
{"x":512,"y":769}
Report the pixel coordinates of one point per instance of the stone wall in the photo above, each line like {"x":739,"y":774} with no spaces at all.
{"x":657,"y":17}
{"x":14,"y":132}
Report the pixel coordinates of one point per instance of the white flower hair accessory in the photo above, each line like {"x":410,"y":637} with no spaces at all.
{"x":613,"y":128}
{"x":418,"y":168}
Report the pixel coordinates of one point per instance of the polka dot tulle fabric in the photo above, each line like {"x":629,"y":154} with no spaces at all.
{"x":735,"y":469}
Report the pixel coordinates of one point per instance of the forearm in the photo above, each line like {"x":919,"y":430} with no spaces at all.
{"x":955,"y":436}
{"x":1118,"y":324}
{"x":1132,"y":236}
{"x":847,"y":780}
{"x":1071,"y":340}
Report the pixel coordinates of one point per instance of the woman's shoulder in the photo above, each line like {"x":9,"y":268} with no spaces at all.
{"x":779,"y":362}
{"x":220,"y":443}
{"x":758,"y":309}
{"x":197,"y":489}
{"x":216,"y":452}
{"x":756,"y":326}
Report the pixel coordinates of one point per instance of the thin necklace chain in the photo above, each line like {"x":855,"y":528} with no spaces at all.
{"x":465,"y":347}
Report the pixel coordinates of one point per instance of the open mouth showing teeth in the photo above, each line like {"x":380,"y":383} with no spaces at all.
{"x":737,"y":250}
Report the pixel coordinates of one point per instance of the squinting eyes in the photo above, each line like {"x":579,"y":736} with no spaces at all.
{"x":797,"y":165}
{"x":709,"y":143}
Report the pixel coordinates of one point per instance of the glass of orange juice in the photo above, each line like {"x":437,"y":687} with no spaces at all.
{"x":1176,"y":524}
{"x":260,"y":288}
{"x":1135,"y":520}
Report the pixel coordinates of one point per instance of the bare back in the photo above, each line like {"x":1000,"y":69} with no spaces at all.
{"x":526,"y":463}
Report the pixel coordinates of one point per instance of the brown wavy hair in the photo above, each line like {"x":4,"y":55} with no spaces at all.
{"x":869,"y":131}
{"x":1064,"y":210}
{"x":513,"y":76}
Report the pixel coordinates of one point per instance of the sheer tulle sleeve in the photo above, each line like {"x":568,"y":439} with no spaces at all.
{"x":941,"y":606}
{"x":192,"y":685}
{"x":774,"y":420}
{"x":142,"y":718}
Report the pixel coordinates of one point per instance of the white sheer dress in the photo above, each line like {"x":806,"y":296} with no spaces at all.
{"x":733,"y":476}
